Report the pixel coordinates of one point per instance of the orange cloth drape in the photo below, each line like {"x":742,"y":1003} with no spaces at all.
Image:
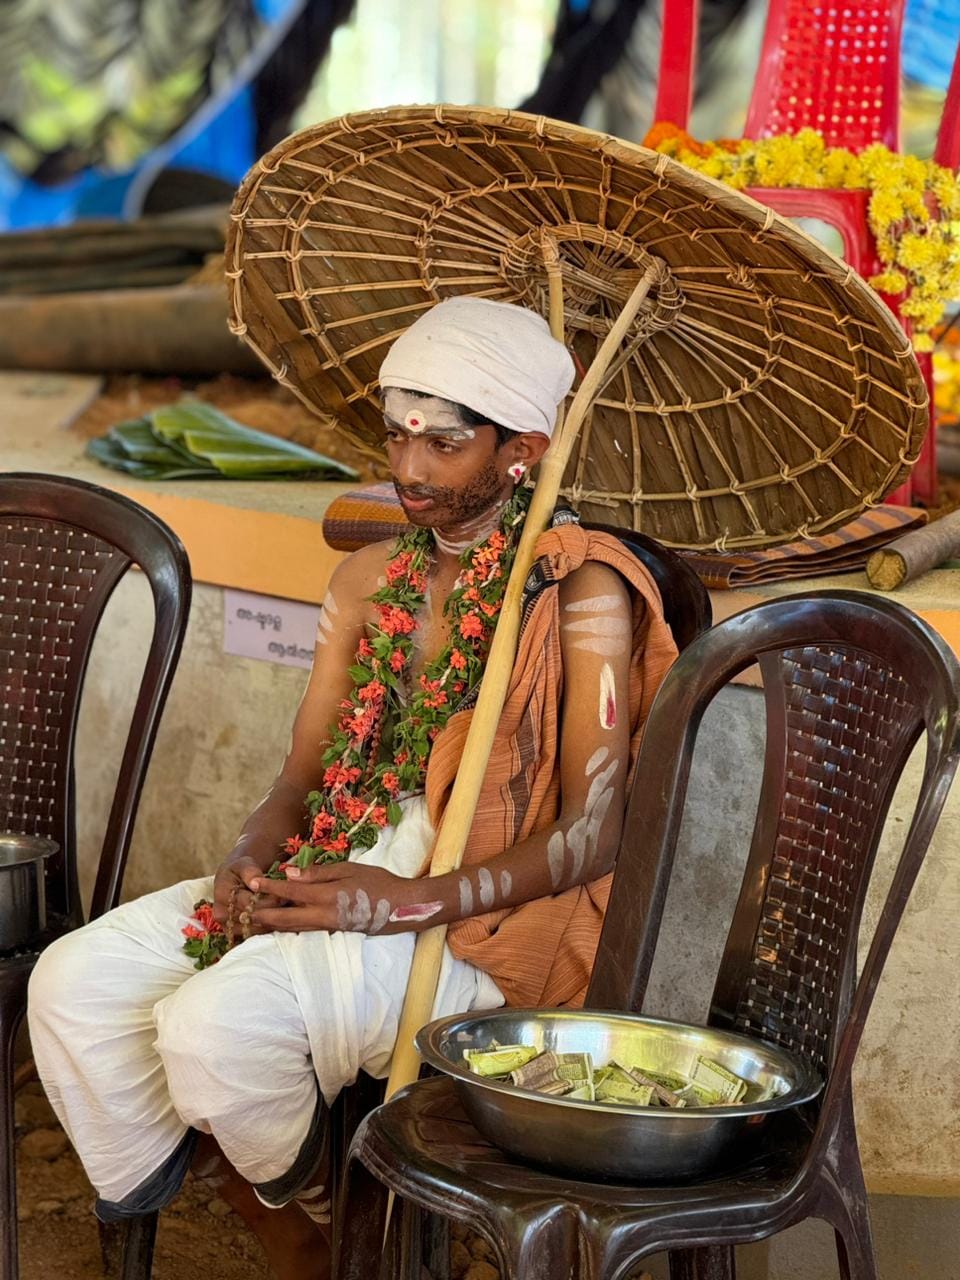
{"x":541,"y":953}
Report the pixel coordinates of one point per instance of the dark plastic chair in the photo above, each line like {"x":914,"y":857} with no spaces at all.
{"x":850,"y":683}
{"x":64,"y":546}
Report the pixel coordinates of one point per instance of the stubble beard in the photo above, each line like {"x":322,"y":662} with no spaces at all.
{"x":456,"y":507}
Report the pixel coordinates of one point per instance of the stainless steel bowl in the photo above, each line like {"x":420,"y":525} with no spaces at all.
{"x":23,"y":899}
{"x":606,"y":1141}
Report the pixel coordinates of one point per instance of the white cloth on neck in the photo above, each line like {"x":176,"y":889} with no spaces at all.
{"x":496,"y":358}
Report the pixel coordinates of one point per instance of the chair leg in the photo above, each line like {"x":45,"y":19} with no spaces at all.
{"x":844,"y":1206}
{"x":410,"y":1229}
{"x":12,"y":1005}
{"x":139,"y":1237}
{"x":544,"y":1249}
{"x":715,"y":1262}
{"x":359,"y":1244}
{"x":855,"y":1255}
{"x":436,"y":1246}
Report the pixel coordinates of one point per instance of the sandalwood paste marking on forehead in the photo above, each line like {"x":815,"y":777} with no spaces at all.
{"x":607,"y":706}
{"x":415,"y":913}
{"x":424,"y":415}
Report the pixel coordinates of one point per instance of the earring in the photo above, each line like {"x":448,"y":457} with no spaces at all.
{"x":517,"y":472}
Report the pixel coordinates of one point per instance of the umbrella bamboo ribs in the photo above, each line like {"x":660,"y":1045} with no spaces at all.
{"x":767,"y":393}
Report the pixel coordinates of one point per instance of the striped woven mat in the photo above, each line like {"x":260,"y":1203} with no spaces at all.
{"x":374,"y":513}
{"x":843,"y":551}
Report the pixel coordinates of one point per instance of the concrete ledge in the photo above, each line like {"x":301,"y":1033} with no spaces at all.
{"x":262,"y":536}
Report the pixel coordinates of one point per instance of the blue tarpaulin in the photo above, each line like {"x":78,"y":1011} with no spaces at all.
{"x":931,"y":30}
{"x":219,"y":140}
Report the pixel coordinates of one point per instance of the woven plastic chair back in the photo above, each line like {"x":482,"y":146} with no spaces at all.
{"x":64,"y":545}
{"x":850,"y":683}
{"x":947,"y":150}
{"x":677,"y":70}
{"x":831,"y":67}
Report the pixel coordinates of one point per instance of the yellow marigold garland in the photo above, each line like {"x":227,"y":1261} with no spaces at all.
{"x":946,"y":384}
{"x":914,"y":206}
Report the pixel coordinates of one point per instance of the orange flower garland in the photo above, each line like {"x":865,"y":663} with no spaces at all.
{"x":382,"y":716}
{"x":913,"y":208}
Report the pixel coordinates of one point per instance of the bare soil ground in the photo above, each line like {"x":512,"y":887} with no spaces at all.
{"x":199,"y":1235}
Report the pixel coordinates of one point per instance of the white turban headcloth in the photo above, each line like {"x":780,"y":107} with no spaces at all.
{"x":496,"y":358}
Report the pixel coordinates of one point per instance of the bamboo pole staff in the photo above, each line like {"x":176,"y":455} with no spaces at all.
{"x":458,"y":818}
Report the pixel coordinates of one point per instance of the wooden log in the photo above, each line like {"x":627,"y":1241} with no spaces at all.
{"x":105,"y":242}
{"x":98,"y":277}
{"x":178,"y":330}
{"x":916,"y":552}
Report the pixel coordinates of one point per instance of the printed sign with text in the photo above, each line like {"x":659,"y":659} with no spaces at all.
{"x":267,"y":627}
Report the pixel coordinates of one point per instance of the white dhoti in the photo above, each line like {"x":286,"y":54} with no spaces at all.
{"x":135,"y":1047}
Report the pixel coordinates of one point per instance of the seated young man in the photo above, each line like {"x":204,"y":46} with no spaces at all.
{"x":153,"y":1067}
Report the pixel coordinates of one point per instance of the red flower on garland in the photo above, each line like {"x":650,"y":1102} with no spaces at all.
{"x":353,"y":807}
{"x":323,"y":824}
{"x":337,"y":776}
{"x":206,"y":940}
{"x":399,"y":567}
{"x":471,"y":628}
{"x":395,"y":620}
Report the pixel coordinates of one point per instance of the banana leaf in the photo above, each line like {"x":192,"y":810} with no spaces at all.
{"x":111,"y":452}
{"x":192,"y":439}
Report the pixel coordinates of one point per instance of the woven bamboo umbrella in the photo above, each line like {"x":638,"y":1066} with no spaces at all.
{"x":764,"y":393}
{"x":743,"y":387}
